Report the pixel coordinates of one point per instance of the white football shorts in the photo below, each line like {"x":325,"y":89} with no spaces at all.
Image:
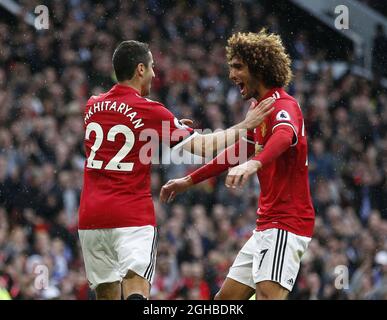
{"x":110,"y":253}
{"x":273,"y":255}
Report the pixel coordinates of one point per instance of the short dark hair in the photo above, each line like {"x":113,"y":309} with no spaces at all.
{"x":127,"y":56}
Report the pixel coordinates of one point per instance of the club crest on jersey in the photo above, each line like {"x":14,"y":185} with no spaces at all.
{"x":179,"y":125}
{"x":263,"y":129}
{"x":258,"y":148}
{"x":282,"y":115}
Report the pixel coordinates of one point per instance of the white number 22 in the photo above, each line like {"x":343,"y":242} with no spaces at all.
{"x":115,"y":163}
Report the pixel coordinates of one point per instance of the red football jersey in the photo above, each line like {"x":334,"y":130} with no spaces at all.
{"x":120,"y":127}
{"x":285,"y":201}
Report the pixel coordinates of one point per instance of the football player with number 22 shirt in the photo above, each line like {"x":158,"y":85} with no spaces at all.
{"x":117,"y":226}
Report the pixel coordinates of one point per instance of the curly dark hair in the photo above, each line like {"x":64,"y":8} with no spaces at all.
{"x":264,"y":55}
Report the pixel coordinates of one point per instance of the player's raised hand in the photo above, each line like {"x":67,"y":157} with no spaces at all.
{"x":257,"y":113}
{"x":238,"y":176}
{"x":169,"y":191}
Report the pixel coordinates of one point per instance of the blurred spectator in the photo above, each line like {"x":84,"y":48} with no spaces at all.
{"x":379,"y":60}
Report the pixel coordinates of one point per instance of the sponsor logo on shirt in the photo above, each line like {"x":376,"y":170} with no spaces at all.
{"x":258,"y":148}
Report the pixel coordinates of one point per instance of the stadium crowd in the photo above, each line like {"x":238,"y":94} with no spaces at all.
{"x":47,"y":76}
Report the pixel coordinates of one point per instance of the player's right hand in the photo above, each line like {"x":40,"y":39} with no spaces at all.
{"x":258,"y":113}
{"x":187,"y":122}
{"x":169,"y":191}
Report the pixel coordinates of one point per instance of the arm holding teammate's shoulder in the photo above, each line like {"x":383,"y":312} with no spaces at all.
{"x":211,"y":144}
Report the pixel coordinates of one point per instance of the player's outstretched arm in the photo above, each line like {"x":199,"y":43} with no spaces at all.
{"x":232,"y":156}
{"x":209,"y":145}
{"x":278,"y":143}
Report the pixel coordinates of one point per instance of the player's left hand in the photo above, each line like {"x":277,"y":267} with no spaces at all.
{"x":169,"y":191}
{"x":238,"y":176}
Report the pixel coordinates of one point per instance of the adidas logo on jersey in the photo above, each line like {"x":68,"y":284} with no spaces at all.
{"x":290,"y":281}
